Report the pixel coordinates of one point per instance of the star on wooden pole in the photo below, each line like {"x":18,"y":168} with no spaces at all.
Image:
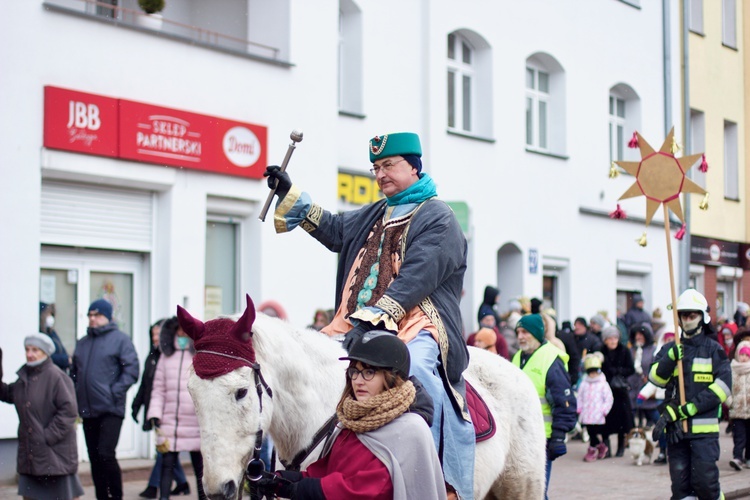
{"x":661,"y":177}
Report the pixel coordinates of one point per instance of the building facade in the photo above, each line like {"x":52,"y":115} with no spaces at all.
{"x":134,"y":168}
{"x":719,"y":260}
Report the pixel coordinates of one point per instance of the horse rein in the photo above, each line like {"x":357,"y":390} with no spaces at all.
{"x":256,"y":467}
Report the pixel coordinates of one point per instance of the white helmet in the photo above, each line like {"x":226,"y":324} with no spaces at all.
{"x":692,"y":300}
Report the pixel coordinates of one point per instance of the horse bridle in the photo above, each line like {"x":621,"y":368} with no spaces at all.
{"x":256,"y":466}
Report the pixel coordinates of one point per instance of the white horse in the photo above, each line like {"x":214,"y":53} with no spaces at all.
{"x":302,"y":368}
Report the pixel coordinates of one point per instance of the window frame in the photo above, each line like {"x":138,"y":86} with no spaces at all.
{"x":536,"y":97}
{"x":729,"y":23}
{"x":695,"y":22}
{"x":458,"y":71}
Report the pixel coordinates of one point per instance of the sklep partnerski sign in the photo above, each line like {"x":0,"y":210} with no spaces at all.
{"x":119,"y":128}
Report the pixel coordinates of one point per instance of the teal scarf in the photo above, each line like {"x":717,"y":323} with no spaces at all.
{"x":422,"y":190}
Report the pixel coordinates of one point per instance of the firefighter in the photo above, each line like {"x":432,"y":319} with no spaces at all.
{"x":708,"y":381}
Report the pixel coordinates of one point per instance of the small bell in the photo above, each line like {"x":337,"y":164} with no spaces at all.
{"x":680,"y":233}
{"x":642,"y":240}
{"x":704,"y":203}
{"x":614,"y":172}
{"x":633,"y":143}
{"x":619,"y":213}
{"x":675,"y":147}
{"x":704,"y":165}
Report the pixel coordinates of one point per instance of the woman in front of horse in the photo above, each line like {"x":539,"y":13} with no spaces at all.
{"x":171,"y":410}
{"x":381,"y":448}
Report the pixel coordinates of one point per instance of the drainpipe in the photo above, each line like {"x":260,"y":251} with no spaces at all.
{"x":684,"y":274}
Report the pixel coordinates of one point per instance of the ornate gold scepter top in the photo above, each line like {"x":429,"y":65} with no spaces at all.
{"x":661,"y":178}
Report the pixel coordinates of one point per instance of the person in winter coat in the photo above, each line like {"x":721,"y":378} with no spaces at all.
{"x":47,"y":326}
{"x":489,"y":304}
{"x":739,"y":406}
{"x":707,"y":382}
{"x":636,"y":315}
{"x":382,"y":447}
{"x":104,"y":367}
{"x":741,"y":314}
{"x":45,"y":401}
{"x":594,"y":402}
{"x":545,"y":365}
{"x":617,"y":366}
{"x":727,"y":331}
{"x":143,"y":399}
{"x":171,"y":411}
{"x":642,"y":351}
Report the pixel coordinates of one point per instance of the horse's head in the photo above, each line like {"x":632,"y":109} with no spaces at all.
{"x":222,"y":385}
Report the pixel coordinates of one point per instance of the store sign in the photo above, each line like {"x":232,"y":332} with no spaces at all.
{"x":714,"y":252}
{"x":745,"y":256}
{"x":358,"y":189}
{"x":83,"y":123}
{"x":152,"y":134}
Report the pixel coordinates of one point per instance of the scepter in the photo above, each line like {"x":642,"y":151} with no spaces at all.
{"x":661,"y":177}
{"x":296,"y":137}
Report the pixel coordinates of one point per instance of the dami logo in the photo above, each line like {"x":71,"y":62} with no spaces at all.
{"x":83,"y":121}
{"x":241,"y":147}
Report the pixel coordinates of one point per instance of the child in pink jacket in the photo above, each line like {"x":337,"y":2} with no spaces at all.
{"x":594,"y":402}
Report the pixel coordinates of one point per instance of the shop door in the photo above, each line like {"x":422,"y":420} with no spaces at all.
{"x":73,"y":278}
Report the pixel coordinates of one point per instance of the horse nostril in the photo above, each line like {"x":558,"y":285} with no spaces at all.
{"x":229,"y":489}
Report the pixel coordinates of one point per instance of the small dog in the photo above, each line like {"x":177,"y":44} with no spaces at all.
{"x":638,"y":441}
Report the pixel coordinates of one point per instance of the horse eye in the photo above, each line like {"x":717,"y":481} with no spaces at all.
{"x":241,"y":393}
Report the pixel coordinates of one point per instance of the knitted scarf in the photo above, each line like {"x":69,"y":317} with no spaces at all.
{"x":374,"y":413}
{"x":422,"y":190}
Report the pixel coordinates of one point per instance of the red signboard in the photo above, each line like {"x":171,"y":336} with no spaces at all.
{"x":159,"y":135}
{"x":84,"y":123}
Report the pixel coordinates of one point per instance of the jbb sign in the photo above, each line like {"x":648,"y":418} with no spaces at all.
{"x":142,"y":132}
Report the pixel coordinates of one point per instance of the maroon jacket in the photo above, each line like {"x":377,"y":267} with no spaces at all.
{"x":350,"y":471}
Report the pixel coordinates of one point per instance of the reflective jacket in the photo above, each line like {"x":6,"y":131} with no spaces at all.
{"x":708,"y":381}
{"x":546,"y":369}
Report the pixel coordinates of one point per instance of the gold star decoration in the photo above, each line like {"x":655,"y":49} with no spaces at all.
{"x":661,"y":177}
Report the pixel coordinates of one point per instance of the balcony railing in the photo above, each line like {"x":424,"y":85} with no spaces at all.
{"x":137,"y":19}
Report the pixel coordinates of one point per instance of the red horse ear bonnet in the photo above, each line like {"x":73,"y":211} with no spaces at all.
{"x":222,"y":345}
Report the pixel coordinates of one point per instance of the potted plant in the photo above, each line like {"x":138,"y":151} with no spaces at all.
{"x":152,"y":19}
{"x":151,"y":6}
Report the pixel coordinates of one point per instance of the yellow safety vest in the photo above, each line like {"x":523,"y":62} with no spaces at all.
{"x":536,"y":368}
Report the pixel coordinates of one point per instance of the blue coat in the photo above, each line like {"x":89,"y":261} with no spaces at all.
{"x":105,"y":365}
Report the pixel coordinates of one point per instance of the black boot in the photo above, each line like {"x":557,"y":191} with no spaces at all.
{"x":620,"y":445}
{"x":181,"y":489}
{"x":149,"y":492}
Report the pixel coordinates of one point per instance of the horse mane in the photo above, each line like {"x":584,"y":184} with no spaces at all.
{"x":300,"y":365}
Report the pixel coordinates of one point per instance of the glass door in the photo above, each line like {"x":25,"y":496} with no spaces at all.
{"x":73,"y":278}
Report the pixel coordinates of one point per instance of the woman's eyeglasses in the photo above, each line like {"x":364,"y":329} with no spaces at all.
{"x":367,"y":373}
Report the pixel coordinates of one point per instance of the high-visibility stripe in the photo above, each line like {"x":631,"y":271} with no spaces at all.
{"x":720,"y":389}
{"x":655,"y":378}
{"x":547,"y":418}
{"x":702,"y":365}
{"x":705,"y":429}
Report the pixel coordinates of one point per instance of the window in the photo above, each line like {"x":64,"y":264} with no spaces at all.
{"x":469,"y":84}
{"x":103,"y":8}
{"x":697,"y":144}
{"x":222,"y":268}
{"x":729,"y":23}
{"x":537,"y":103}
{"x":731,"y":172}
{"x":460,"y":78}
{"x":624,"y":119}
{"x":545,"y":104}
{"x":350,"y":58}
{"x":696,"y":16}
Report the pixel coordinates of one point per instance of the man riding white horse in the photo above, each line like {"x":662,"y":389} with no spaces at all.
{"x":401,"y":268}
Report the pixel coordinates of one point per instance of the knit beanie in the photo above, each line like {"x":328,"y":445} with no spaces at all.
{"x":598,"y":319}
{"x":610,"y":331}
{"x":102,"y":307}
{"x":41,"y":341}
{"x":534,"y":324}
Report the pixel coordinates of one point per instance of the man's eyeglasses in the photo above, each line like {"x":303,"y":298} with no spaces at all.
{"x":384,"y":167}
{"x":367,"y":373}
